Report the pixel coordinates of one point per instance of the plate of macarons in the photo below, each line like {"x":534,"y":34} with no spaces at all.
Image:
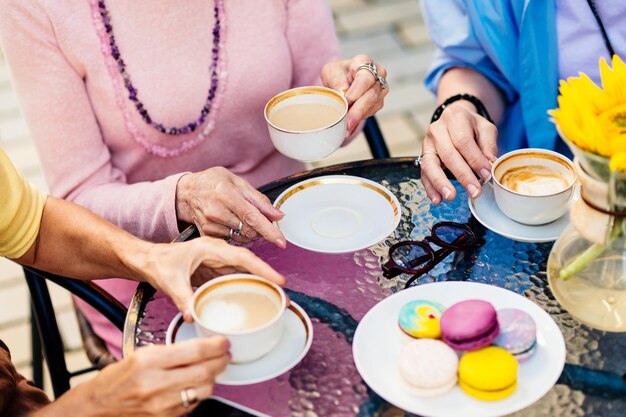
{"x":459,"y":348}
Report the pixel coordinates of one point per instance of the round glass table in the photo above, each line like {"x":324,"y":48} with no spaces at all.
{"x":337,"y":290}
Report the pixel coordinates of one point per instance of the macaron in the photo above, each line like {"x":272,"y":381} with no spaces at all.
{"x":469,"y":325}
{"x":518,"y":333}
{"x":420,"y":318}
{"x":488,"y":374}
{"x":428,"y":367}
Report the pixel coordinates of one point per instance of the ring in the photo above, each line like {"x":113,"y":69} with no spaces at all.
{"x":371,"y":67}
{"x":418,"y":161}
{"x":237,"y":232}
{"x":188,"y":396}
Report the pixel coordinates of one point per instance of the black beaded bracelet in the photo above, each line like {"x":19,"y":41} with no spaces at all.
{"x":480,"y":107}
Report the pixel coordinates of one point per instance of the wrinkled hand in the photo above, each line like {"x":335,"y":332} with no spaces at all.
{"x":216,"y":201}
{"x":149,"y":382}
{"x":465,"y":143}
{"x":364,"y":94}
{"x":169,"y":267}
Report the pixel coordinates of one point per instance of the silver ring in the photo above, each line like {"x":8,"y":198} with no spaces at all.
{"x":237,"y":232}
{"x":371,"y":67}
{"x":188,"y":396}
{"x":418,"y":161}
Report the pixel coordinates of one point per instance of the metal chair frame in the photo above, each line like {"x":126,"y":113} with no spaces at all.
{"x":48,"y":338}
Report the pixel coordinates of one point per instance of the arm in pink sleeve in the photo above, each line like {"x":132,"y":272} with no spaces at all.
{"x":75,"y":159}
{"x":312,"y":39}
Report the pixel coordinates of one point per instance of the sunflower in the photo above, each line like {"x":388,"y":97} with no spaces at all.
{"x":594,"y":118}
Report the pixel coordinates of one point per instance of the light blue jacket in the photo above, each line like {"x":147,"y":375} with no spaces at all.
{"x":514,"y":44}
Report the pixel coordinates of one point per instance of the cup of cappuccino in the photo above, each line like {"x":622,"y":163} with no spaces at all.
{"x":307,"y":123}
{"x":247,"y":309}
{"x":533,"y":186}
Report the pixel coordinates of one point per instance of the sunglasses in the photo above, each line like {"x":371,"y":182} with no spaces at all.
{"x":418,"y":257}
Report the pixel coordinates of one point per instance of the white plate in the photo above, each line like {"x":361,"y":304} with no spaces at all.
{"x":486,"y":211}
{"x":337,"y":213}
{"x":291,"y":349}
{"x":377,"y":361}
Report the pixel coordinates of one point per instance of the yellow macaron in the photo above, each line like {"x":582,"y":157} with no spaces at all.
{"x":488,"y":374}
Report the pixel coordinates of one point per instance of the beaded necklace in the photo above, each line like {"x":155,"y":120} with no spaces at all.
{"x":133,"y":94}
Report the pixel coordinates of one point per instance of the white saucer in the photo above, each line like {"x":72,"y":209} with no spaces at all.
{"x":376,"y":361}
{"x":486,"y":211}
{"x":337,"y":213}
{"x":291,"y":349}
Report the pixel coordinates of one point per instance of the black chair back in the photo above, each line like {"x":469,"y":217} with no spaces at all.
{"x":375,"y":139}
{"x":48,"y":331}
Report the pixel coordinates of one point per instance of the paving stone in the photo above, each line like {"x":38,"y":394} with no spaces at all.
{"x":357,"y":150}
{"x":68,"y":326}
{"x":8,"y":101}
{"x":339,"y":6}
{"x":378,"y":45}
{"x":400,"y":135}
{"x":13,"y":130}
{"x":24,"y":156}
{"x":408,"y":67}
{"x":17,"y":338}
{"x":380,"y":16}
{"x":414,"y":33}
{"x":15,"y":305}
{"x":407,"y":97}
{"x":10,"y":273}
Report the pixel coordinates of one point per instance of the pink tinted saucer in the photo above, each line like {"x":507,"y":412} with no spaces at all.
{"x":293,"y":346}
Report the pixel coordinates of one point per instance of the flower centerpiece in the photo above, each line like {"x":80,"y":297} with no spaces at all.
{"x":587,"y":265}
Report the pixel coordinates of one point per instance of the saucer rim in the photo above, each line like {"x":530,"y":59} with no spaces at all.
{"x":471,"y":203}
{"x":177,"y":322}
{"x":352,"y":180}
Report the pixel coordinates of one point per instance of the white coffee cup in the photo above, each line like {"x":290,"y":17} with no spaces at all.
{"x":219,"y":308}
{"x":322,"y":137}
{"x":533,"y":186}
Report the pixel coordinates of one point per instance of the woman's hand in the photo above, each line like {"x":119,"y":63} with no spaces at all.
{"x":170,"y":267}
{"x":364,"y":92}
{"x":149,"y":382}
{"x":463,"y":141}
{"x":218,"y":202}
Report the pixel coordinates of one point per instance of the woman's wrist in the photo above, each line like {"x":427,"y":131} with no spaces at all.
{"x":475,"y":105}
{"x":183,"y":211}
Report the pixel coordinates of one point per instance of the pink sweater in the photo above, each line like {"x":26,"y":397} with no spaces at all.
{"x":94,"y":146}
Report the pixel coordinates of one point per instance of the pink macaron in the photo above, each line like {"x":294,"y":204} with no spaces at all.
{"x":469,"y":325}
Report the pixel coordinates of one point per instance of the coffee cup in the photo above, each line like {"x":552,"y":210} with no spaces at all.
{"x":247,"y":309}
{"x":533,"y":186}
{"x":307,"y":123}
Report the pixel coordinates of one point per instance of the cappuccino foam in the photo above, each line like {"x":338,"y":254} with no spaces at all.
{"x":534,"y":180}
{"x":237,"y":310}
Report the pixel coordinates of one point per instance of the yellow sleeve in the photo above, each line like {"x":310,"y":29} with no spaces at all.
{"x":21,"y":207}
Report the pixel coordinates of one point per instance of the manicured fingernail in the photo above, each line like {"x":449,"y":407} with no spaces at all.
{"x":446,"y":192}
{"x":282,"y":243}
{"x":351,"y":124}
{"x":227,"y":344}
{"x":485,"y":174}
{"x":472,"y":190}
{"x":435,"y":200}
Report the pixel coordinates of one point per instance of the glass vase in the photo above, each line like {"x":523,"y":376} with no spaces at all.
{"x":587,"y":264}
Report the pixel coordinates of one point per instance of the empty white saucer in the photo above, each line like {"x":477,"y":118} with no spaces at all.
{"x":291,"y":349}
{"x":337,"y":213}
{"x":486,"y":211}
